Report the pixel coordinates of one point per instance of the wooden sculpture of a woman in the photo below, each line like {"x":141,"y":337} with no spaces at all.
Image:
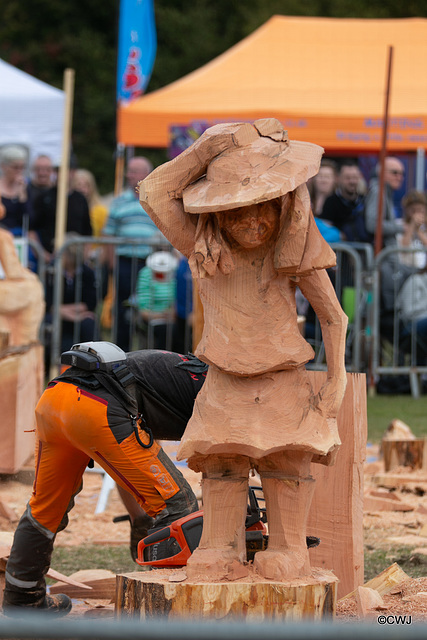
{"x":21,"y":294}
{"x":236,"y":204}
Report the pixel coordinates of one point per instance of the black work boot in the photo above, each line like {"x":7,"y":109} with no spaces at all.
{"x":14,"y":607}
{"x":59,"y":604}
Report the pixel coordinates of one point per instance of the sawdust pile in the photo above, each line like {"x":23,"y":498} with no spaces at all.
{"x":386,"y":530}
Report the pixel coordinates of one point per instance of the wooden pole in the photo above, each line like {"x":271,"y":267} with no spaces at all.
{"x":379,"y":229}
{"x":120,"y":166}
{"x":62,"y":193}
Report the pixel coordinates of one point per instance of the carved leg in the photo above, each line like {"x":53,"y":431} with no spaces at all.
{"x":225,"y":497}
{"x":288,"y":498}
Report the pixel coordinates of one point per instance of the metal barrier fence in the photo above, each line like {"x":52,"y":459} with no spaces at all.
{"x":379,"y":343}
{"x":44,"y":626}
{"x":352,"y":280}
{"x":92,"y":251}
{"x":24,"y":247}
{"x":399,"y":343}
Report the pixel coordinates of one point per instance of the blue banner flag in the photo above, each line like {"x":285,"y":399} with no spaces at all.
{"x":136,"y":49}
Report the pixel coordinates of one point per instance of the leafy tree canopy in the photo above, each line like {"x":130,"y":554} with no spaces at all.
{"x":44,"y":37}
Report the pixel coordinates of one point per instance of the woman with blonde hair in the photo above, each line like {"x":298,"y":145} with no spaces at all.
{"x":13,"y":188}
{"x":84,"y":181}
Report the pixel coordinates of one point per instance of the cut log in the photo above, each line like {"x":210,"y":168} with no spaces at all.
{"x":385,"y":581}
{"x":153,"y":593}
{"x":372,"y":503}
{"x":367,"y":601}
{"x":101,"y":581}
{"x":403,"y":453}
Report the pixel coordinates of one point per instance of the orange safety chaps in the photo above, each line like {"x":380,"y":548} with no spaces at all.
{"x":73,"y":426}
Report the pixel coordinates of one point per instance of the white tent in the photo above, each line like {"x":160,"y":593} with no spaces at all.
{"x":31,"y":113}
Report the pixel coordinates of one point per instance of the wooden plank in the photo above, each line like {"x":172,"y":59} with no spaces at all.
{"x":395,"y":480}
{"x":372,"y":503}
{"x":155,"y":593}
{"x":101,"y":582}
{"x":382,"y":492}
{"x":336,"y":514}
{"x":56,"y":575}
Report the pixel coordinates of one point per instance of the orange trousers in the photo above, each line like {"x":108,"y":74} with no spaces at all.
{"x":74,"y":425}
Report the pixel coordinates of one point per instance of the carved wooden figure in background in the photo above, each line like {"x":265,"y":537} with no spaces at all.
{"x":21,"y":295}
{"x":236,"y":204}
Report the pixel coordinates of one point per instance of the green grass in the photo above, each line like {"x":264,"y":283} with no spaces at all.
{"x":68,"y":560}
{"x":382,"y":409}
{"x":376,"y":560}
{"x":117,"y":559}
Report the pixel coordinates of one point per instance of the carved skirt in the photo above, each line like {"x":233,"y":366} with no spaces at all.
{"x":257,"y":416}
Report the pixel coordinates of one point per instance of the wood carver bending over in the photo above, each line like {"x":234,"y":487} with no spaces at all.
{"x":236,"y":204}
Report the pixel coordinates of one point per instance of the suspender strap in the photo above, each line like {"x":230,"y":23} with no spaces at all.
{"x":123,"y":375}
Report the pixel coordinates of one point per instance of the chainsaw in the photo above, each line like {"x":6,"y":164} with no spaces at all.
{"x":171,"y":546}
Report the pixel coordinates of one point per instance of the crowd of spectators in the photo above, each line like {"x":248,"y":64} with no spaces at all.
{"x":134,"y":273}
{"x":147,"y":293}
{"x":349,"y":214}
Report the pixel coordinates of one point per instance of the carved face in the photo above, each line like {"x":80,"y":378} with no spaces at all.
{"x":251,"y":226}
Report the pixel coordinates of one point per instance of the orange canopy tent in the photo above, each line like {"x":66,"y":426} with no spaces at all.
{"x":323,"y":78}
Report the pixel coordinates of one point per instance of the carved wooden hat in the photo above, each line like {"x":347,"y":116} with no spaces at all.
{"x":264,"y":165}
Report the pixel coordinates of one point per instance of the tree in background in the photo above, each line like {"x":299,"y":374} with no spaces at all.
{"x":43,"y":37}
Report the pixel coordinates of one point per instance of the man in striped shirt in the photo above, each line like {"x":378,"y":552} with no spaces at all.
{"x":128,"y":220}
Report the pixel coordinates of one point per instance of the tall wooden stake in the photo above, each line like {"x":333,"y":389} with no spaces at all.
{"x":120,"y":165}
{"x":379,"y":229}
{"x":61,"y":198}
{"x":62,"y":192}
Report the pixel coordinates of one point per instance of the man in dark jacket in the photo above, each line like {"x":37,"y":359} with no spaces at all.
{"x":43,"y":218}
{"x":345,"y":208}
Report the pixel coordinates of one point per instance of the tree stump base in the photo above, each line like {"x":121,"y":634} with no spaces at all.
{"x":168,"y":593}
{"x":404,"y":453}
